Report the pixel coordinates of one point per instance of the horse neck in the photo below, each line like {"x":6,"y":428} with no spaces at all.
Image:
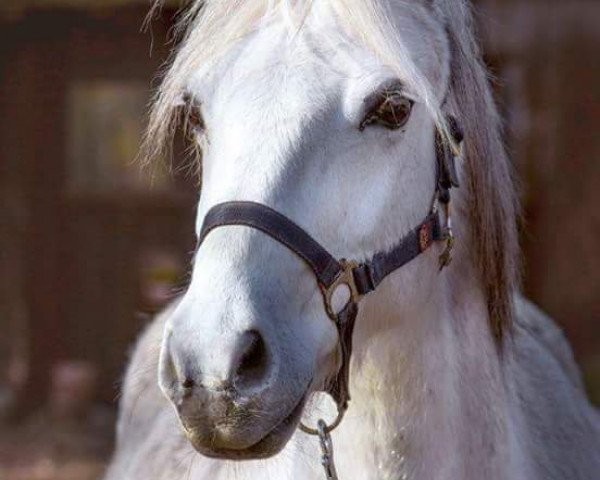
{"x":428,"y":392}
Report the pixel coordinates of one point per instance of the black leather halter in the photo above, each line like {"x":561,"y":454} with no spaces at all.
{"x":359,"y":278}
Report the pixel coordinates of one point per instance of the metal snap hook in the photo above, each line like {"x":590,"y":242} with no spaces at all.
{"x":327,"y":451}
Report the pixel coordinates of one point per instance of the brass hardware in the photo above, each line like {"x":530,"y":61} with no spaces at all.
{"x":327,"y":428}
{"x":345,"y":277}
{"x":327,"y":452}
{"x":445,"y":258}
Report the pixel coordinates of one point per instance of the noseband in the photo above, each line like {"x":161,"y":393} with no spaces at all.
{"x":359,"y":278}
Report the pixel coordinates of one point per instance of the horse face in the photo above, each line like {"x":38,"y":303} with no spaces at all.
{"x":320,"y":130}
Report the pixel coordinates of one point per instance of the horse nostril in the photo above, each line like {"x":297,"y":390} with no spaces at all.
{"x":253,"y":363}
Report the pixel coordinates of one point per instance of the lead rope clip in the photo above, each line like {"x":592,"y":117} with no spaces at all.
{"x":326,"y":451}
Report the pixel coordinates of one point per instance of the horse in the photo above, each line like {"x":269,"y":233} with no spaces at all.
{"x":327,"y":117}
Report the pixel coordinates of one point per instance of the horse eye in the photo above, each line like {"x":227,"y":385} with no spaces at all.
{"x":392,"y":111}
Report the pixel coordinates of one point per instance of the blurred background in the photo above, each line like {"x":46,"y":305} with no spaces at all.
{"x":90,"y":246}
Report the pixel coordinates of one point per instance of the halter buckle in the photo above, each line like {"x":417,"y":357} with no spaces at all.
{"x":345,"y":277}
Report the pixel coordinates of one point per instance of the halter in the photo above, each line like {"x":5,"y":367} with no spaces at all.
{"x":359,"y":278}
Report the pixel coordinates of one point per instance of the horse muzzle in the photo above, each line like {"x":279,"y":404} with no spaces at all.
{"x":239,"y":433}
{"x":237,"y":409}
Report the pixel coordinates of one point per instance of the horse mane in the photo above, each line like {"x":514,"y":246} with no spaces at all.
{"x":208,"y":28}
{"x":492,"y":201}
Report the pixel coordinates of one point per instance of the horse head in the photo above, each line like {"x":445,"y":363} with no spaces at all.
{"x":303,"y":115}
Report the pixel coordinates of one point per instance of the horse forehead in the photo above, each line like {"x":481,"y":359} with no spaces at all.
{"x":271,"y":67}
{"x":313,"y":62}
{"x":279,"y":59}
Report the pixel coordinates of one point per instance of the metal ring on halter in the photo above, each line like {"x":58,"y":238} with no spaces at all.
{"x":328,"y":428}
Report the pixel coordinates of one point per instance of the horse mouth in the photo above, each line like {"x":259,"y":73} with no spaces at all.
{"x":271,"y":444}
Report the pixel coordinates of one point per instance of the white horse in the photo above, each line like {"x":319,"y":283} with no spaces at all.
{"x":326,"y":110}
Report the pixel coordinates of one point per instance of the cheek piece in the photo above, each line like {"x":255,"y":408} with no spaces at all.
{"x":359,"y":278}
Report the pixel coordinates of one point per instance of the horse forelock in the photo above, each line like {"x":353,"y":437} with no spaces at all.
{"x":491,"y":206}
